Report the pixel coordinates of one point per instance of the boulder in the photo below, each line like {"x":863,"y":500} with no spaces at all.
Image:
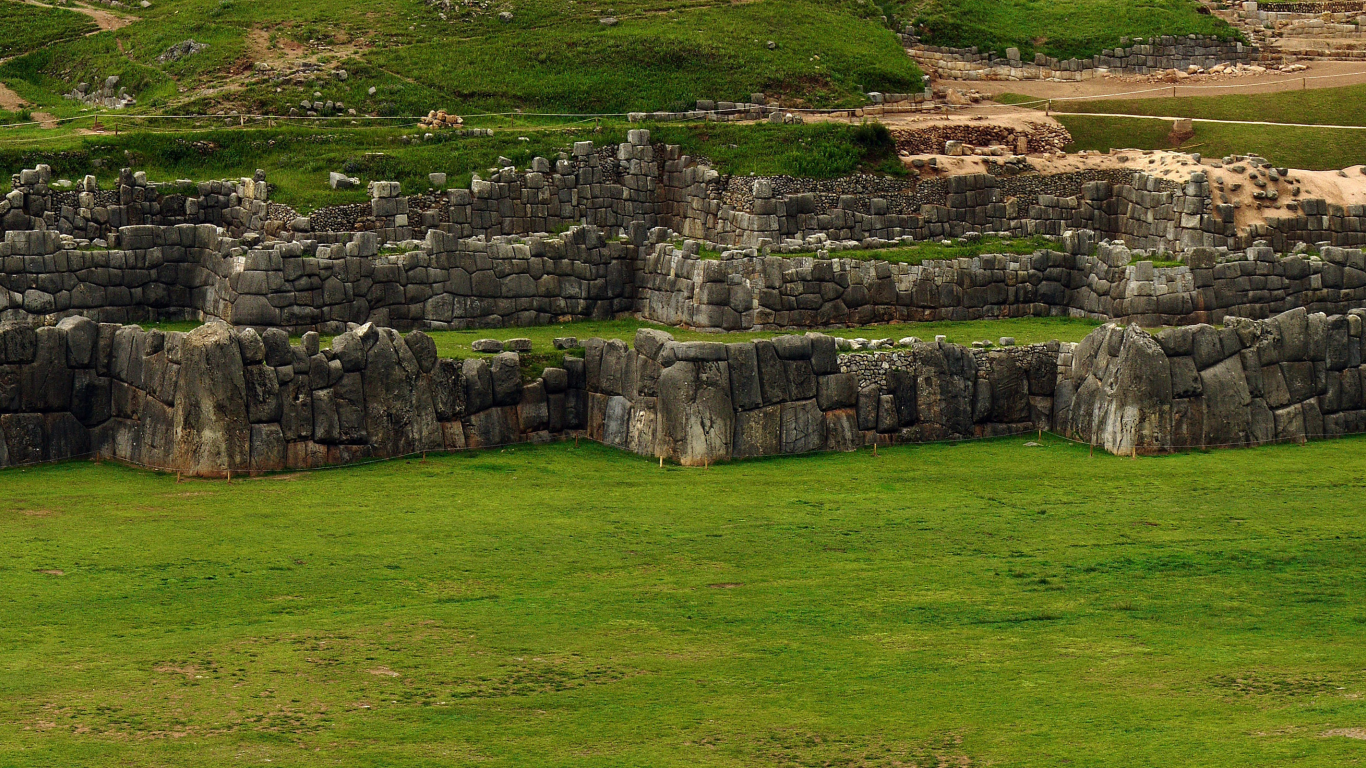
{"x":82,"y":335}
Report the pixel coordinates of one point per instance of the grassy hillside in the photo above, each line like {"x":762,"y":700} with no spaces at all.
{"x":1065,"y":29}
{"x":25,"y":28}
{"x":549,"y":55}
{"x":982,"y":604}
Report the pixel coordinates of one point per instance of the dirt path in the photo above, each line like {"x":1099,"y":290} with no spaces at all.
{"x":9,"y":100}
{"x":989,"y":113}
{"x":106,"y":20}
{"x":1330,"y":74}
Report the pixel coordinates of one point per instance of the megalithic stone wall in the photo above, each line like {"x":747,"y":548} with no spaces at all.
{"x":220,"y":400}
{"x":699,"y":402}
{"x":1292,"y":377}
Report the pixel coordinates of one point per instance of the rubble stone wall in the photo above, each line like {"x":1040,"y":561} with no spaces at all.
{"x":643,"y":185}
{"x":1141,"y":58}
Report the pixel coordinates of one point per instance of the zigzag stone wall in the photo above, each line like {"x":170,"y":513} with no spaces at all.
{"x":1108,"y":281}
{"x":643,"y":185}
{"x":194,"y":272}
{"x":220,"y":400}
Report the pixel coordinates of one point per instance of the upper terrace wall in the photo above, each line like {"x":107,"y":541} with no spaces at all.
{"x":642,"y":185}
{"x":192,"y":272}
{"x":755,"y":291}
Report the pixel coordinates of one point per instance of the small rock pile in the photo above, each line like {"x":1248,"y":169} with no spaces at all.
{"x":110,"y":96}
{"x":931,"y":140}
{"x":181,"y":50}
{"x":439,"y":118}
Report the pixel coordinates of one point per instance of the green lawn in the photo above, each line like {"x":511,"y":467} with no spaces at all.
{"x":978,"y":604}
{"x":1307,"y":148}
{"x":1025,"y":330}
{"x":935,"y":250}
{"x":1077,"y":28}
{"x":1323,"y":106}
{"x":25,"y":28}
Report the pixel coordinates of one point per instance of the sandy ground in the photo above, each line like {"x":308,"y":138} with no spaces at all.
{"x":1345,"y":187}
{"x":1338,"y":74}
{"x":995,"y":114}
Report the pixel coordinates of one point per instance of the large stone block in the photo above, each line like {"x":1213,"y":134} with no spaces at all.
{"x":212,"y":430}
{"x":696,"y":419}
{"x":803,"y":427}
{"x":758,"y":432}
{"x":837,"y":391}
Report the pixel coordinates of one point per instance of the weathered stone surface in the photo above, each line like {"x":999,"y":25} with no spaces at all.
{"x":211,"y":427}
{"x":506,"y":375}
{"x":745,"y":391}
{"x":82,"y":336}
{"x":696,"y":418}
{"x":837,"y":391}
{"x":841,"y":430}
{"x":772,"y":373}
{"x":350,"y":350}
{"x":758,"y":432}
{"x":803,"y":427}
{"x":1134,"y":411}
{"x":423,"y":349}
{"x":478,"y":381}
{"x":263,"y":394}
{"x":1226,"y":401}
{"x":267,"y":447}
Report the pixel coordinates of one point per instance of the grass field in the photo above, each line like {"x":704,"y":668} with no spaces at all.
{"x":456,"y":344}
{"x":25,"y":28}
{"x":1078,"y":28}
{"x":978,"y":604}
{"x":1307,"y":148}
{"x":1314,"y":149}
{"x":297,"y":160}
{"x":932,"y":250}
{"x":1323,"y":106}
{"x":548,"y":55}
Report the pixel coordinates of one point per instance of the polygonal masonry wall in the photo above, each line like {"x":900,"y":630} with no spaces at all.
{"x":643,"y":185}
{"x":220,"y":400}
{"x":194,"y":272}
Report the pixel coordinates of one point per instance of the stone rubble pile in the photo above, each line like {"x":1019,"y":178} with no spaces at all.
{"x":111,"y":95}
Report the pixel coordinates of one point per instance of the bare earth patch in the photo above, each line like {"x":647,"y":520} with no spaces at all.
{"x":1351,"y":733}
